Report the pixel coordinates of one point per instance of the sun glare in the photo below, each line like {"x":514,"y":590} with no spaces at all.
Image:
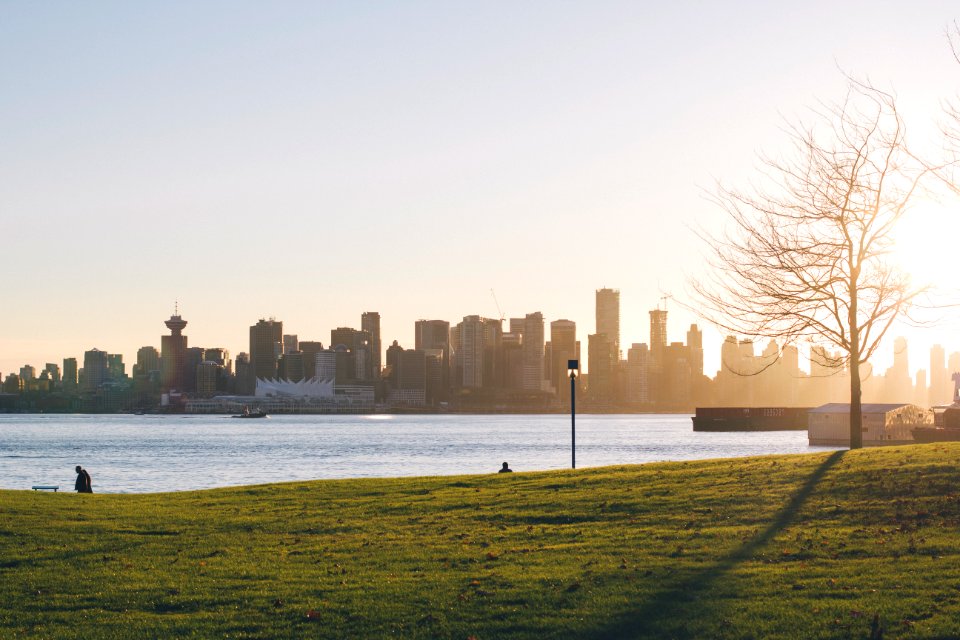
{"x":925,"y":240}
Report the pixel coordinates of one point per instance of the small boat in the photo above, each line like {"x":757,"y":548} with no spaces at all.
{"x":935,"y":434}
{"x":251,"y":414}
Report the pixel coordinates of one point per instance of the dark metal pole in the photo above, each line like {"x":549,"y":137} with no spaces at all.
{"x":573,"y":420}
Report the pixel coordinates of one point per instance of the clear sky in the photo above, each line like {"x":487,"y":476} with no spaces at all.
{"x":313,"y":160}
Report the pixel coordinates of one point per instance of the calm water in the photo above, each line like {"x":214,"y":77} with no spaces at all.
{"x":176,"y":453}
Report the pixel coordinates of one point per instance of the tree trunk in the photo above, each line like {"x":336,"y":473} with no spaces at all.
{"x":856,"y":410}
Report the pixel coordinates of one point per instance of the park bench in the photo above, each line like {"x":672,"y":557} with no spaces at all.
{"x":45,"y":487}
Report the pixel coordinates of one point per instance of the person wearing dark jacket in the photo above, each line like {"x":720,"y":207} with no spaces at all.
{"x":84,"y":484}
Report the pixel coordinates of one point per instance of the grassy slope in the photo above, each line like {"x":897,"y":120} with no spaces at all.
{"x":809,"y":546}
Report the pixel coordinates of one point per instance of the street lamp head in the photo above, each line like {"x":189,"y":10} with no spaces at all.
{"x":573,"y":368}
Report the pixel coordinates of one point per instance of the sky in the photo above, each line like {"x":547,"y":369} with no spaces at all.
{"x":309,"y":161}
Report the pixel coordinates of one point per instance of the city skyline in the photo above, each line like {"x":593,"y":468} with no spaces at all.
{"x":314,"y":163}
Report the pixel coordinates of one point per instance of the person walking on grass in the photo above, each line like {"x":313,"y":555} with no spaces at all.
{"x":83,"y":485}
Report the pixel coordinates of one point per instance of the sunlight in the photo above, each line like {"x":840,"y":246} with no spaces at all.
{"x":924,"y":241}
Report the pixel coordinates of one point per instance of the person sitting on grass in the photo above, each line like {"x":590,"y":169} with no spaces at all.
{"x":84,"y":484}
{"x":505,"y":468}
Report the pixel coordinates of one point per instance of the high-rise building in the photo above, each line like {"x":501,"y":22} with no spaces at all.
{"x":291,"y":366}
{"x":533,"y":352}
{"x":602,"y":360}
{"x":408,"y":375}
{"x":95,"y":369}
{"x":430,"y":335}
{"x":638,"y":374}
{"x":370,"y":322}
{"x":116,"y":370}
{"x":218,"y":355}
{"x":148,"y":359}
{"x":325,"y":364}
{"x":70,"y":374}
{"x":695,"y":345}
{"x":266,"y":339}
{"x":53,"y":373}
{"x":27,"y":373}
{"x":563,"y":348}
{"x":608,"y":317}
{"x":469,"y":355}
{"x":357,"y":343}
{"x":658,"y":332}
{"x":310,"y":349}
{"x":173,"y":353}
{"x":208,"y":375}
{"x":290,"y":344}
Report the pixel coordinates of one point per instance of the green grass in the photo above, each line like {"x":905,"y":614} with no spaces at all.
{"x":809,"y":546}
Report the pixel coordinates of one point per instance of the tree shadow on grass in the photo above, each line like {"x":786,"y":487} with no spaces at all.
{"x":679,"y":601}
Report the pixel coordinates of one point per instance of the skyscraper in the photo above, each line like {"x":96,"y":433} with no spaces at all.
{"x":471,"y":340}
{"x":564,"y":347}
{"x":608,"y":316}
{"x":95,"y":369}
{"x":532,"y":350}
{"x":69,"y":374}
{"x":370,"y":322}
{"x":148,"y":359}
{"x":431,"y":335}
{"x":265,"y":346}
{"x":658,"y":333}
{"x":173,"y":353}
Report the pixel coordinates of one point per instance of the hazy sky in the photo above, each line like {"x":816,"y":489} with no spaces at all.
{"x":313,"y":160}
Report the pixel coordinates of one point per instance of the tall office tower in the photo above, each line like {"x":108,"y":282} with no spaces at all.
{"x":95,"y":371}
{"x":265,"y":346}
{"x":658,"y":333}
{"x":148,"y":359}
{"x":291,"y":366}
{"x":638,"y":374}
{"x":695,"y":345}
{"x":115,"y":368}
{"x":563,"y":342}
{"x":209,"y":375}
{"x":194,"y":358}
{"x":245,"y":382}
{"x":941,"y":389}
{"x":408,"y":375}
{"x":435,"y":334}
{"x":173,"y":353}
{"x":290,"y":344}
{"x":310,"y":349}
{"x":69,"y":374}
{"x":325,"y":364}
{"x":53,"y":372}
{"x":218,"y":355}
{"x":517,"y":326}
{"x":533,"y":352}
{"x":370,"y":322}
{"x":471,"y":340}
{"x":357,"y":343}
{"x":27,"y":373}
{"x":602,"y":360}
{"x":608,"y":317}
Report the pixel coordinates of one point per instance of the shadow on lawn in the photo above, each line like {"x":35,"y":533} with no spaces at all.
{"x":679,"y":601}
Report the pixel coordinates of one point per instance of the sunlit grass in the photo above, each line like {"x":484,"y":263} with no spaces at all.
{"x":812,"y":546}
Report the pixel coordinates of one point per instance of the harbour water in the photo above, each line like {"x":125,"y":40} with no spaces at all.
{"x":140,"y":454}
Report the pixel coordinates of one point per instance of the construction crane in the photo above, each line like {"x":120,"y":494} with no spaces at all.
{"x":496,"y":302}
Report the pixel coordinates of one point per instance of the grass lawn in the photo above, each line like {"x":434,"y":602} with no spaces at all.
{"x":834,"y":545}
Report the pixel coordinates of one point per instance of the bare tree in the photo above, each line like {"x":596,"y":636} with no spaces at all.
{"x":806,"y":256}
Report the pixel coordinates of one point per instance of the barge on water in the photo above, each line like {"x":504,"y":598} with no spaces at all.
{"x":750,"y":419}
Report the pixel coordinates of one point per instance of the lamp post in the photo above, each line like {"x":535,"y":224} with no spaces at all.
{"x":573,"y":366}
